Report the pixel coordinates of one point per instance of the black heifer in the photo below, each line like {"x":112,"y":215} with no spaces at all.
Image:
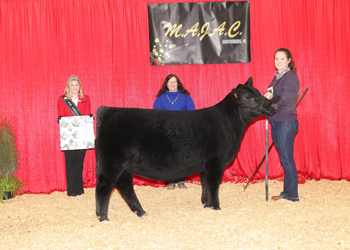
{"x":166,"y":145}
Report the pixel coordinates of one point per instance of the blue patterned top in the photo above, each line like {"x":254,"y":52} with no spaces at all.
{"x":174,"y":101}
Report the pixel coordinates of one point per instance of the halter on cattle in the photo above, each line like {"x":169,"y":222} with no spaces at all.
{"x":244,"y":104}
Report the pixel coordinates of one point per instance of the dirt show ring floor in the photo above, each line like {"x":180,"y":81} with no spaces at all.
{"x":177,"y":220}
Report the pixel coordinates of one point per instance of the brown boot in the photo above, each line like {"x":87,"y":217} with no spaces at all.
{"x":276,"y":198}
{"x":182,"y":186}
{"x":171,"y":186}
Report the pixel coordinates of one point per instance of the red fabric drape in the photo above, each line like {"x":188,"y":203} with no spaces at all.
{"x":105,"y":43}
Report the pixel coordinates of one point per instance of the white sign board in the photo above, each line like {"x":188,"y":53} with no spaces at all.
{"x":77,"y":132}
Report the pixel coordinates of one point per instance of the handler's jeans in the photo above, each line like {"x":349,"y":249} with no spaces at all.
{"x":283,"y":134}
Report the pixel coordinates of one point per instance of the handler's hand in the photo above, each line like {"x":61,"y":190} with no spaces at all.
{"x":268,"y":95}
{"x":58,"y":119}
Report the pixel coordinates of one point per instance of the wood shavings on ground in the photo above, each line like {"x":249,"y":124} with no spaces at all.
{"x":176,"y":219}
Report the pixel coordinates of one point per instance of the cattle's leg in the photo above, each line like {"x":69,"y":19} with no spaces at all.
{"x":126,"y":189}
{"x":106,"y":179}
{"x":204,"y":199}
{"x":213,"y":178}
{"x":104,"y":187}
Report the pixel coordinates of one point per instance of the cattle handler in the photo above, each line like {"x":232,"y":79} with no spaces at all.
{"x":284,"y":90}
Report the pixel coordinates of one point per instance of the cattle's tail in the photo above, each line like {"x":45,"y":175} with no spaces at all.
{"x":99,"y":116}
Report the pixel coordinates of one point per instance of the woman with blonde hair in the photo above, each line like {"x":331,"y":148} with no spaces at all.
{"x":74,"y":103}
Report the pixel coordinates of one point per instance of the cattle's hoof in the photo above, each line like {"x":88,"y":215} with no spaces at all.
{"x":104,"y":218}
{"x":140,"y":214}
{"x":214,"y":208}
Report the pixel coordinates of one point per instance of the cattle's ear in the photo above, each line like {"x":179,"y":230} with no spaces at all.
{"x":249,"y":82}
{"x":234,"y":92}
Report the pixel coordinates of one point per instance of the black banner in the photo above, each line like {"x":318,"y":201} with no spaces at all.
{"x":199,"y":33}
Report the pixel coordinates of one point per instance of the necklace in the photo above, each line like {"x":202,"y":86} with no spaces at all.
{"x":172,"y":102}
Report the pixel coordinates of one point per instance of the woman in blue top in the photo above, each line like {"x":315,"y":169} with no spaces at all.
{"x":284,"y":91}
{"x":173,"y":96}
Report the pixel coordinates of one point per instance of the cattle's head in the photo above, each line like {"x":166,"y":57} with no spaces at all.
{"x":250,"y":99}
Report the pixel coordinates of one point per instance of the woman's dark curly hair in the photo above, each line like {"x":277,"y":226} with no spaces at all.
{"x":165,"y":86}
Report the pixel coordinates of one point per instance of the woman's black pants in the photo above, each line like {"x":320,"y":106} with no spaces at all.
{"x":74,"y":171}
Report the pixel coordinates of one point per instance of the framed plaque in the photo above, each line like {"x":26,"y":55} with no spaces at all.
{"x":77,"y":132}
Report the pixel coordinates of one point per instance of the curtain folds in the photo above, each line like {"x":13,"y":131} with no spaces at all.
{"x":105,"y":43}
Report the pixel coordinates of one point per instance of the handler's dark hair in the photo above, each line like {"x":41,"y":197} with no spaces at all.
{"x":291,"y":65}
{"x":165,"y":86}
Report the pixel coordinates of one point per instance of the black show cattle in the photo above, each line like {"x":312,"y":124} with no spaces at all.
{"x":167,"y":145}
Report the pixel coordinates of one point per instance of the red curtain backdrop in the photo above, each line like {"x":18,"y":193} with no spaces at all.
{"x":105,"y":43}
